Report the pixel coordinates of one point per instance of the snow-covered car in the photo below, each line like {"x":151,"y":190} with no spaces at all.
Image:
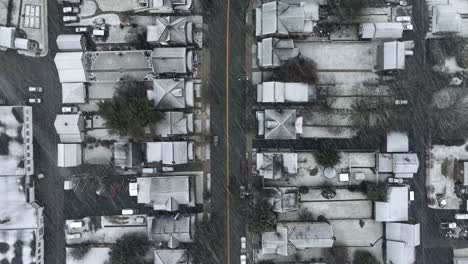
{"x":70,"y":19}
{"x":403,"y":19}
{"x":401,"y":102}
{"x":243,"y":259}
{"x":69,"y":109}
{"x":395,"y":180}
{"x":71,"y":9}
{"x":448,"y":225}
{"x":461,"y":216}
{"x":74,"y":236}
{"x":35,"y":100}
{"x":407,"y":26}
{"x":243,"y":243}
{"x":75,"y":224}
{"x":128,"y":212}
{"x":34,"y":89}
{"x":81,"y":29}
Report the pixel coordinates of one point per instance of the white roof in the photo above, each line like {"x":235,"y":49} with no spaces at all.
{"x":392,"y":56}
{"x":281,"y":124}
{"x":171,"y":60}
{"x":395,"y":209}
{"x":174,"y":123}
{"x":281,"y":92}
{"x":405,"y":163}
{"x":404,"y":232}
{"x":21,"y":43}
{"x":397,"y":142}
{"x":73,"y":93}
{"x":171,"y":256}
{"x":169,"y":153}
{"x":271,"y":52}
{"x":69,"y":128}
{"x":69,"y":155}
{"x":169,"y":29}
{"x":7,"y":37}
{"x":381,"y":30}
{"x":70,"y":67}
{"x":276,"y":165}
{"x":164,"y":193}
{"x":398,"y":252}
{"x":69,"y":42}
{"x":445,"y":19}
{"x":172,"y":93}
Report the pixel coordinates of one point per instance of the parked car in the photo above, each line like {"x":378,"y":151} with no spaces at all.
{"x":74,"y":236}
{"x":403,"y":19}
{"x":407,"y":26}
{"x":76,"y":224}
{"x":401,"y":102}
{"x":461,"y":216}
{"x":395,"y":180}
{"x":411,"y":196}
{"x":243,"y":259}
{"x":68,"y":185}
{"x":69,"y":109}
{"x":243,"y":243}
{"x":34,"y":89}
{"x":403,"y":3}
{"x":128,"y":211}
{"x":448,"y":225}
{"x":81,"y":29}
{"x":35,"y":100}
{"x":40,"y":176}
{"x":70,"y":19}
{"x":71,"y":10}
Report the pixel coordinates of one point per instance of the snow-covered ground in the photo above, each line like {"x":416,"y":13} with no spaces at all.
{"x":95,"y":255}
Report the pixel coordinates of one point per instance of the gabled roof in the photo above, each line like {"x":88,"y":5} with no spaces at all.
{"x":404,"y":232}
{"x":280,"y":124}
{"x":169,"y":153}
{"x":381,"y":30}
{"x":172,"y":93}
{"x":392,"y":56}
{"x":272,"y":51}
{"x":168,"y":29}
{"x":171,"y":256}
{"x":165,"y":193}
{"x":282,"y":199}
{"x":174,"y":123}
{"x":170,"y":230}
{"x":397,"y":142}
{"x":276,"y":165}
{"x":284,"y":92}
{"x":73,"y":93}
{"x":69,"y":155}
{"x":171,"y":60}
{"x":70,"y":67}
{"x":445,"y":19}
{"x":69,"y":128}
{"x":395,"y":209}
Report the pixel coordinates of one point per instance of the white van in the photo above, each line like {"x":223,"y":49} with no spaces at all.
{"x":127,"y":211}
{"x":461,"y":216}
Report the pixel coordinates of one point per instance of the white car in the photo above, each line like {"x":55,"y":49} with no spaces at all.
{"x":71,"y":10}
{"x":74,"y":236}
{"x":395,"y":180}
{"x":69,"y":109}
{"x":448,"y":225}
{"x":407,"y":26}
{"x":81,"y":30}
{"x":403,"y":19}
{"x":70,"y":19}
{"x":35,"y":100}
{"x":401,"y":102}
{"x":35,"y":89}
{"x":243,"y":259}
{"x":461,"y":216}
{"x":243,"y":243}
{"x":127,"y":212}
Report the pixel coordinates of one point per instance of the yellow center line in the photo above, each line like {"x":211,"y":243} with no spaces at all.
{"x":228,"y":192}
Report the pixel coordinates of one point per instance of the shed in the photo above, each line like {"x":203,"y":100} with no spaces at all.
{"x":73,"y":93}
{"x":70,"y":42}
{"x":69,"y":155}
{"x":7,"y":37}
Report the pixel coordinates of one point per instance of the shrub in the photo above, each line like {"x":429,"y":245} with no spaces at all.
{"x":298,"y":69}
{"x":328,"y":156}
{"x":364,"y":257}
{"x":79,"y":252}
{"x":130,"y":249}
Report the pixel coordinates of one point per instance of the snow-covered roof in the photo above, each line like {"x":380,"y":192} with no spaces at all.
{"x":7,"y":37}
{"x":392,"y":56}
{"x":170,"y":230}
{"x":172,"y":93}
{"x":69,"y":128}
{"x":397,"y":142}
{"x":445,"y":19}
{"x":174,"y":123}
{"x":169,"y":153}
{"x":69,"y":155}
{"x":172,"y":60}
{"x":165,"y":193}
{"x":395,"y":209}
{"x":123,"y":154}
{"x":282,"y":199}
{"x":171,"y":256}
{"x":281,"y":124}
{"x":272,"y":52}
{"x":275,"y":242}
{"x":70,"y":42}
{"x":94,"y":255}
{"x":282,"y":18}
{"x":70,"y":67}
{"x":398,"y":252}
{"x":408,"y":233}
{"x":170,"y":30}
{"x":381,"y":30}
{"x":276,"y":165}
{"x":284,"y":92}
{"x":73,"y":93}
{"x":405,"y":163}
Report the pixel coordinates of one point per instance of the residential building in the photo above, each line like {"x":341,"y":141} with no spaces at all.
{"x":70,"y":67}
{"x":381,"y":30}
{"x":395,"y":208}
{"x":172,"y":60}
{"x":402,"y":165}
{"x":73,"y":93}
{"x":276,"y":165}
{"x":170,"y":31}
{"x":446,"y":20}
{"x":391,"y":56}
{"x":70,"y":128}
{"x":279,"y":124}
{"x":397,"y":142}
{"x":173,"y":123}
{"x":69,"y":155}
{"x":171,"y":231}
{"x":401,"y":242}
{"x":94,"y":255}
{"x":172,"y":93}
{"x":169,"y":153}
{"x":166,"y":193}
{"x":282,"y":199}
{"x":126,"y":155}
{"x":71,"y":42}
{"x":171,"y":256}
{"x":285,"y":92}
{"x":164,"y":7}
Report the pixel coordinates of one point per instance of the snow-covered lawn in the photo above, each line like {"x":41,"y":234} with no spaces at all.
{"x":95,"y":255}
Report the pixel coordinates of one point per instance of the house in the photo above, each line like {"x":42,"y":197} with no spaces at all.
{"x":460,"y":256}
{"x":279,"y":124}
{"x":285,"y":92}
{"x":402,"y":165}
{"x":282,"y":19}
{"x":70,"y":128}
{"x":282,"y":199}
{"x":381,"y":30}
{"x":165,"y":193}
{"x":172,"y":93}
{"x":401,"y":242}
{"x":17,"y":158}
{"x":391,"y":56}
{"x":169,"y":153}
{"x":395,"y":208}
{"x":73,"y":93}
{"x":70,"y":67}
{"x":272,"y":52}
{"x":71,"y":42}
{"x":397,"y":142}
{"x":446,"y":20}
{"x":298,"y":235}
{"x":170,"y":30}
{"x":276,"y":165}
{"x":172,"y":60}
{"x":165,"y":6}
{"x":69,"y":155}
{"x":173,"y":123}
{"x":171,"y":231}
{"x":126,"y":155}
{"x":171,"y":256}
